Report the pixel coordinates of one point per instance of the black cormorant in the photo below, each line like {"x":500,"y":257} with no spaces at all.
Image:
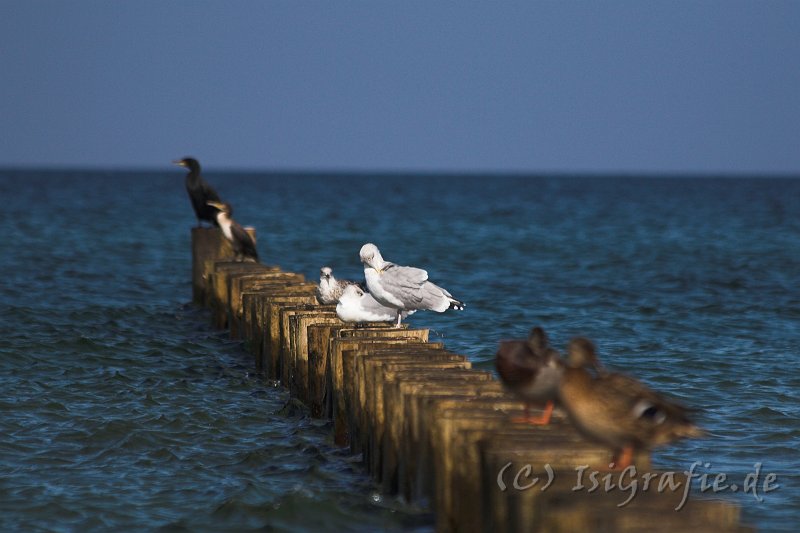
{"x":244,"y":248}
{"x":200,"y":192}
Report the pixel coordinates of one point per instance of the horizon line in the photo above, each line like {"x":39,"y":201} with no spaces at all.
{"x":380,"y":172}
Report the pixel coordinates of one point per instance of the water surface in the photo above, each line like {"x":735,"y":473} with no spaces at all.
{"x":123,"y":409}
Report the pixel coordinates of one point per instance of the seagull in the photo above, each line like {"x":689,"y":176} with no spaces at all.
{"x":244,"y":248}
{"x":330,"y":289}
{"x":355,"y":305}
{"x":403,"y":288}
{"x":200,"y":192}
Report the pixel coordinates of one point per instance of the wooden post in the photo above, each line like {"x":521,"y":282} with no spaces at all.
{"x":557,"y":446}
{"x":290,"y":372}
{"x":255,"y":298}
{"x":335,"y":369}
{"x":373,"y":366}
{"x":240,"y":283}
{"x":208,"y":247}
{"x":567,"y":503}
{"x":219,"y":300}
{"x":319,"y":337}
{"x":390,"y":421}
{"x":338,"y":345}
{"x":293,"y":295}
{"x":417,"y":402}
{"x":298,"y":332}
{"x":354,"y":382}
{"x":447,"y":420}
{"x":398,"y":437}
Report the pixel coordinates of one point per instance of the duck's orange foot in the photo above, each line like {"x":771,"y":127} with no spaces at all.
{"x":623,"y":460}
{"x":541,"y":420}
{"x":532,"y":420}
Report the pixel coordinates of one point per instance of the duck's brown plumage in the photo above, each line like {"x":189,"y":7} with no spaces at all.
{"x":531,"y":370}
{"x":617,"y":410}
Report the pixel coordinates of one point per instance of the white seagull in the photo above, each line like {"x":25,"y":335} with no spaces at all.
{"x":330,"y":289}
{"x":403,"y":288}
{"x":356,"y":305}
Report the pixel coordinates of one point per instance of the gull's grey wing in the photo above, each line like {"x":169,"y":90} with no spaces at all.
{"x":411,"y":286}
{"x":404,"y":276}
{"x":403,"y":282}
{"x":371,"y":305}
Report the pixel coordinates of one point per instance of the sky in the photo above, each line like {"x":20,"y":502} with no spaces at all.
{"x":514,"y":86}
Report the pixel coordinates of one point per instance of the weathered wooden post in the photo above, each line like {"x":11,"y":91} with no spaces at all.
{"x":349,"y":340}
{"x":290,"y":371}
{"x":253,"y":298}
{"x":208,"y":247}
{"x":397,"y":441}
{"x":372,"y":368}
{"x":355,"y":384}
{"x":291,"y":295}
{"x":319,"y":337}
{"x":298,"y":333}
{"x":241,"y":282}
{"x":218,"y":278}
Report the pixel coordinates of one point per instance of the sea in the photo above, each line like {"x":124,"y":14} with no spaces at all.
{"x":121,"y":408}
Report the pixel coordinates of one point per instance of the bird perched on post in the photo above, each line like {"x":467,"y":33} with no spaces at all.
{"x":617,"y":410}
{"x":358,"y":306}
{"x":244,"y":248}
{"x":532,"y":370}
{"x":200,"y":192}
{"x":403,"y":288}
{"x":330,"y":289}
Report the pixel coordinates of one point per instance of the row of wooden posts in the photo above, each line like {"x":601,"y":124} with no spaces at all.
{"x":430,"y":427}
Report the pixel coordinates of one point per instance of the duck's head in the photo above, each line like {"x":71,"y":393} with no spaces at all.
{"x":537,"y":340}
{"x":582,"y":354}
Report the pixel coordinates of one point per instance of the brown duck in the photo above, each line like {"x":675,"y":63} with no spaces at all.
{"x":531,"y":370}
{"x":618,"y":410}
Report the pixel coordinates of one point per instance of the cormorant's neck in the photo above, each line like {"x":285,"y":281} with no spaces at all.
{"x":224,"y":219}
{"x":194,"y":172}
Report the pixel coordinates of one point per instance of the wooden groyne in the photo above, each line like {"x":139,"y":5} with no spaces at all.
{"x":431,"y":428}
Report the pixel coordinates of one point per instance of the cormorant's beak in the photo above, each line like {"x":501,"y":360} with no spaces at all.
{"x":218,"y":205}
{"x":179,"y":162}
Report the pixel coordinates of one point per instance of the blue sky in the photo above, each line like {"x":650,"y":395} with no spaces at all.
{"x":558,"y":86}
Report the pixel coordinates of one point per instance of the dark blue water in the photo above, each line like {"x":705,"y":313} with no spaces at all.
{"x":121,"y":408}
